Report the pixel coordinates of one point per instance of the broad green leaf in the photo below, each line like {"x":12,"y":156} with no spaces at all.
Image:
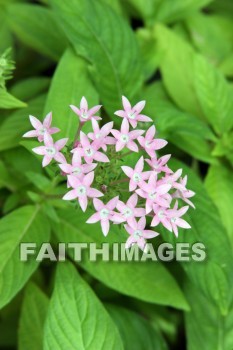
{"x":70,"y":82}
{"x":220,"y":188}
{"x":36,"y":27}
{"x":206,"y":328}
{"x":212,"y":36}
{"x":213,"y":277}
{"x":132,"y":278}
{"x":146,"y":8}
{"x":136,"y":330}
{"x":214,"y":95}
{"x":106,"y":40}
{"x":226,"y":65}
{"x":182,"y":129}
{"x":7,"y":101}
{"x":32,"y":318}
{"x":25,"y":224}
{"x":76,"y":318}
{"x":177,"y":67}
{"x":29,"y":88}
{"x":6,"y":180}
{"x":14,"y":126}
{"x":5,"y":34}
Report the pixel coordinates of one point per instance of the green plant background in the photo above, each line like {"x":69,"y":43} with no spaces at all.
{"x":178,"y":56}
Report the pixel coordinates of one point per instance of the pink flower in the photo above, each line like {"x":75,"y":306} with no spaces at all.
{"x":160,"y":164}
{"x":138,"y":233}
{"x":84,"y":113}
{"x":77,"y":168}
{"x":154,"y":193}
{"x":171,"y":179}
{"x":136,"y":175}
{"x":51,"y":150}
{"x":41,"y":128}
{"x":105,"y":213}
{"x":132,"y":114}
{"x":90,"y":150}
{"x":161,"y":216}
{"x":82,"y":190}
{"x":100,"y":135}
{"x":175,"y":218}
{"x":129,"y":210}
{"x":184,"y":193}
{"x":125,"y":137}
{"x":149,"y":144}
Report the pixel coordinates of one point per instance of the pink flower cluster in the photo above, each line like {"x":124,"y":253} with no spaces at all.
{"x":153,"y":189}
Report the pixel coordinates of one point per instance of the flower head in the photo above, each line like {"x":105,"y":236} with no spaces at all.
{"x":149,"y":143}
{"x":100,"y":135}
{"x":136,"y":175}
{"x":41,"y":128}
{"x":84,"y":113}
{"x":129,"y":211}
{"x":125,"y":138}
{"x":175,"y":218}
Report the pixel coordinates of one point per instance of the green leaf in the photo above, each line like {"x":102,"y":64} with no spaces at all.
{"x":214,"y":95}
{"x":36,"y":27}
{"x":132,"y":278}
{"x":85,"y":322}
{"x":177,"y":67}
{"x":7,"y":101}
{"x":101,"y":37}
{"x":213,"y":277}
{"x":29,"y":88}
{"x":32,"y":318}
{"x":135,"y":329}
{"x":22,"y":225}
{"x":6,"y":181}
{"x":190,"y":134}
{"x":72,"y":75}
{"x":14,"y":126}
{"x":220,"y":188}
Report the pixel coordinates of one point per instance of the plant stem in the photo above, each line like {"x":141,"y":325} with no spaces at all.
{"x":119,"y":181}
{"x":78,"y":131}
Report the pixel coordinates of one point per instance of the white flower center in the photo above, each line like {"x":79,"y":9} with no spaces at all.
{"x":104,"y":213}
{"x":147,"y":144}
{"x":76,"y":171}
{"x":152,"y":195}
{"x":81,"y":190}
{"x":137,"y":234}
{"x":42,"y":131}
{"x":173,"y":220}
{"x":124,"y":138}
{"x":89,"y":152}
{"x":127,"y":212}
{"x":131,"y":115}
{"x":136,"y":177}
{"x":84,"y":115}
{"x":161,"y":214}
{"x":50,"y":151}
{"x":98,"y":135}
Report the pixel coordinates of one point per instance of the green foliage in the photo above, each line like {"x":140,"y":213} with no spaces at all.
{"x":178,"y":56}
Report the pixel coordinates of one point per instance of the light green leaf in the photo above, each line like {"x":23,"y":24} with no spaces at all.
{"x":14,"y":126}
{"x":101,"y":36}
{"x":29,"y":88}
{"x":7,"y":101}
{"x":136,"y":330}
{"x":32,"y":318}
{"x":86,"y":324}
{"x":214,"y":95}
{"x":220,"y":188}
{"x":177,"y":67}
{"x":22,"y":225}
{"x":70,"y":82}
{"x":37,"y":28}
{"x":132,"y":278}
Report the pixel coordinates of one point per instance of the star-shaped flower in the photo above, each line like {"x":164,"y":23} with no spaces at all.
{"x":100,"y":135}
{"x":149,"y":143}
{"x":84,"y":113}
{"x":160,"y":164}
{"x":175,"y":218}
{"x":125,"y":138}
{"x":136,"y":175}
{"x":82,"y":189}
{"x":161,"y":216}
{"x":105,"y":214}
{"x":184,"y":193}
{"x":129,"y":211}
{"x":51,"y":150}
{"x":41,"y":128}
{"x":132,"y":114}
{"x":76,"y":168}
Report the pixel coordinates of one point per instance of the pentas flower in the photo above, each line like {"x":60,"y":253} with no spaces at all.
{"x":136,"y":175}
{"x":89,"y":150}
{"x":41,"y":128}
{"x":82,"y":190}
{"x":131,"y":192}
{"x":51,"y":150}
{"x":125,"y":138}
{"x":138,"y":234}
{"x":132,"y":114}
{"x":129,"y":211}
{"x":105,"y":214}
{"x":84,"y":113}
{"x":149,"y":143}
